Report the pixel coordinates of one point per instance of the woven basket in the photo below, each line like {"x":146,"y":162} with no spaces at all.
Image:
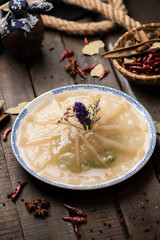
{"x":138,"y":79}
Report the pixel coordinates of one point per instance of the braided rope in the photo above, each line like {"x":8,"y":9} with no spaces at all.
{"x":113,"y":10}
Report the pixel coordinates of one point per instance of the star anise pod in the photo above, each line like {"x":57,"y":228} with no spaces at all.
{"x":43,"y":203}
{"x":31,"y":205}
{"x":40,"y":212}
{"x":157,"y":33}
{"x":71,"y":67}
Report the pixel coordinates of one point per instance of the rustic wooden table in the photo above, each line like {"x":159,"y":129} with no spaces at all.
{"x":137,"y":200}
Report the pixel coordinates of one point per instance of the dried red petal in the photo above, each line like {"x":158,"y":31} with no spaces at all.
{"x":122,"y":220}
{"x":146,"y":229}
{"x":85,"y":40}
{"x":51,"y":48}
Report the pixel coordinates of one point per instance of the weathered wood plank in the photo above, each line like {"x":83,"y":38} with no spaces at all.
{"x":47,"y":71}
{"x":139,"y":203}
{"x":13,"y":87}
{"x":76,"y":44}
{"x":9,"y":221}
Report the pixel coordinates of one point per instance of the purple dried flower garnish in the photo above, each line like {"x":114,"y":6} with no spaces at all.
{"x":87,"y":116}
{"x":82,"y":115}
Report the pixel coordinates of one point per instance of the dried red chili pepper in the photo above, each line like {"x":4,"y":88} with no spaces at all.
{"x":146,"y":229}
{"x":106,"y":70}
{"x":132,"y":64}
{"x":75,"y":210}
{"x":76,"y":231}
{"x":70,"y":59}
{"x":122,"y":220}
{"x":66,"y":54}
{"x":85,"y":40}
{"x":75,"y":219}
{"x":157,"y":70}
{"x":17,"y":190}
{"x":156,"y":64}
{"x":89,"y":68}
{"x":79,"y":70}
{"x":137,"y":68}
{"x":51,"y":48}
{"x":4,"y":136}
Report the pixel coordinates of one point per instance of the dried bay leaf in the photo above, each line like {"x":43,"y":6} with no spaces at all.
{"x":92,"y":48}
{"x":1,"y":103}
{"x":129,"y":60}
{"x":157,"y":125}
{"x":155,"y":45}
{"x":2,"y":114}
{"x":97,"y":71}
{"x":17,"y":109}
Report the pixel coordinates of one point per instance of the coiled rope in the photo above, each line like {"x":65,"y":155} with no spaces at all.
{"x":114,"y":11}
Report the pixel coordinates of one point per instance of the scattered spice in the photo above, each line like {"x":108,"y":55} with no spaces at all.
{"x":92,"y":48}
{"x":75,"y":210}
{"x":146,"y":229}
{"x":85,"y":40}
{"x":80,"y":71}
{"x":122,"y":220}
{"x":146,"y":64}
{"x":31,"y":205}
{"x":75,"y":219}
{"x":40,"y":212}
{"x":76,"y":231}
{"x":66,"y":54}
{"x":105,"y":72}
{"x":51,"y":48}
{"x":9,"y":195}
{"x":147,"y":199}
{"x":87,"y":69}
{"x":71,"y":67}
{"x":17,"y":190}
{"x":38,"y":207}
{"x":4,"y":136}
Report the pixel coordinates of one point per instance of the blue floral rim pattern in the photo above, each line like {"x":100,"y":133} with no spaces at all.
{"x":148,"y":118}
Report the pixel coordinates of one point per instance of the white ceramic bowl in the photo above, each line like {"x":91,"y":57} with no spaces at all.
{"x":32,"y":105}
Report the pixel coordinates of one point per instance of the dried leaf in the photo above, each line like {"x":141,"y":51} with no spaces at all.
{"x":17,"y":109}
{"x":92,"y":47}
{"x":129,"y":60}
{"x":97,"y":71}
{"x":157,"y":125}
{"x":1,"y":103}
{"x":155,"y":45}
